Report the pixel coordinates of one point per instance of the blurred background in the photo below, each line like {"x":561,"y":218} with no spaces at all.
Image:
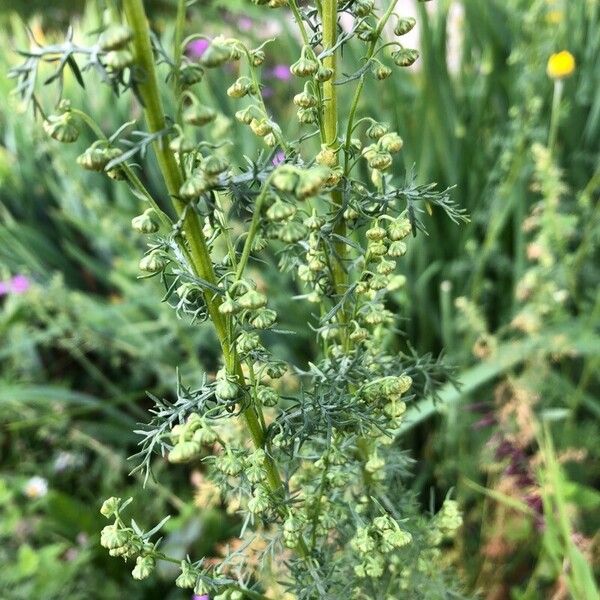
{"x":511,"y":298}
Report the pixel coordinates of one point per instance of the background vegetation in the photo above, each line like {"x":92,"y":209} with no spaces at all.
{"x":511,"y":298}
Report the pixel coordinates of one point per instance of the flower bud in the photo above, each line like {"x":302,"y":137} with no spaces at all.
{"x":257,"y":57}
{"x":264,"y":318}
{"x":397,"y":249}
{"x":304,"y":67}
{"x":280,"y":211}
{"x":214,"y":165}
{"x":376,"y":130}
{"x":259,"y":502}
{"x":261,"y":127}
{"x":306,"y":116}
{"x":246,"y":342}
{"x":377,"y":248}
{"x":117,"y":60}
{"x":241,"y":87}
{"x":193,"y":186}
{"x":153,"y":262}
{"x":323,"y":74}
{"x":216,"y":54}
{"x":110,"y":507}
{"x":205,"y":435}
{"x":144,"y":565}
{"x":382,"y":72}
{"x":314,"y":222}
{"x":311,"y":181}
{"x":181,"y":144}
{"x":146,"y":222}
{"x":112,"y":537}
{"x":404,"y":25}
{"x":183,"y":451}
{"x":95,"y":158}
{"x":399,"y":228}
{"x":270,"y":140}
{"x":188,"y":576}
{"x":249,"y":114}
{"x":190,"y":74}
{"x":376,"y":233}
{"x":267,"y":396}
{"x":405,"y":57}
{"x":61,"y":126}
{"x":228,"y":306}
{"x":292,"y":232}
{"x":391,"y":142}
{"x":380,"y":161}
{"x":285,"y":178}
{"x":227,"y":389}
{"x":115,"y":37}
{"x":378,"y":282}
{"x":327,"y":156}
{"x":363,"y":8}
{"x":197,"y":114}
{"x":305,"y":100}
{"x":230,"y":465}
{"x":252,"y":300}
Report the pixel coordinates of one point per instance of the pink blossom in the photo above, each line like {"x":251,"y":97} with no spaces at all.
{"x":19,"y":284}
{"x":197,"y":48}
{"x":281,"y":72}
{"x":278,"y":158}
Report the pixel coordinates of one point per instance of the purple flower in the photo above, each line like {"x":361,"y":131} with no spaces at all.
{"x":203,"y":597}
{"x":197,"y":48}
{"x":281,"y":72}
{"x":19,"y":284}
{"x":278,"y":158}
{"x":245,"y":23}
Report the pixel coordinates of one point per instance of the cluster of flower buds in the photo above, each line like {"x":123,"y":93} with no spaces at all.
{"x":114,"y":43}
{"x":306,"y":102}
{"x":124,"y":541}
{"x":308,"y":65}
{"x":374,"y":542}
{"x":98,"y":156}
{"x":386,"y":393}
{"x":379,"y":154}
{"x":445,"y":523}
{"x":259,"y":123}
{"x":189,"y":437}
{"x":61,"y":125}
{"x":204,"y":178}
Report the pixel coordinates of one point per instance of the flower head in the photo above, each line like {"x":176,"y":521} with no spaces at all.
{"x":197,"y":48}
{"x":36,"y":487}
{"x":19,"y":284}
{"x":560,"y":65}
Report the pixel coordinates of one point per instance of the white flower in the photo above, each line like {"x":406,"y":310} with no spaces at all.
{"x":36,"y":487}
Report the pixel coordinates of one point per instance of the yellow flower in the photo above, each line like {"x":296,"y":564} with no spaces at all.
{"x":554,"y":17}
{"x":560,"y":65}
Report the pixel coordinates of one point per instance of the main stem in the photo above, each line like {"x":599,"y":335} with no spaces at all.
{"x":330,"y":137}
{"x":199,"y":252}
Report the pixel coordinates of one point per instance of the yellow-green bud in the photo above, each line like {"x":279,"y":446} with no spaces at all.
{"x":115,"y":37}
{"x":404,"y":25}
{"x":146,"y":222}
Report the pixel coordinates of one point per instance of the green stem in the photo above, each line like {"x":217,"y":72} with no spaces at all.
{"x":200,"y":255}
{"x":554,"y":116}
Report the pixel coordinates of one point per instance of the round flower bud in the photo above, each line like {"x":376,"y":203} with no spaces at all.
{"x":397,"y":249}
{"x":214,"y":165}
{"x":378,"y":282}
{"x":380,"y":161}
{"x":327,"y":156}
{"x":270,"y":140}
{"x":61,"y":127}
{"x":405,"y":57}
{"x":117,"y":60}
{"x":363,"y":8}
{"x":188,"y":576}
{"x":264,"y":318}
{"x":314,"y":222}
{"x":376,"y":130}
{"x":259,"y":502}
{"x":193,"y":186}
{"x":144,"y":565}
{"x":115,"y":37}
{"x":267,"y":396}
{"x":252,"y":300}
{"x":404,"y":25}
{"x":382,"y":72}
{"x":305,"y":100}
{"x":183,"y":451}
{"x":261,"y":127}
{"x":391,"y":142}
{"x":399,"y":228}
{"x":257,"y":57}
{"x":190,"y":75}
{"x":306,"y":116}
{"x":146,"y":222}
{"x":241,"y":87}
{"x":292,"y":232}
{"x":323,"y":74}
{"x":377,"y":248}
{"x":304,"y":67}
{"x":285,"y":178}
{"x":230,"y":465}
{"x":560,"y":65}
{"x":197,"y":114}
{"x":205,"y":435}
{"x":227,"y":389}
{"x":153,"y":262}
{"x":311,"y":181}
{"x":249,"y":114}
{"x":228,"y":306}
{"x":216,"y":54}
{"x":110,"y":506}
{"x":95,"y":158}
{"x":376,"y":233}
{"x":181,"y":144}
{"x":112,"y":537}
{"x":246,"y":342}
{"x":280,"y":211}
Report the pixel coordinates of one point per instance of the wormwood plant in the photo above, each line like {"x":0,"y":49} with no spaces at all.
{"x":304,"y":453}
